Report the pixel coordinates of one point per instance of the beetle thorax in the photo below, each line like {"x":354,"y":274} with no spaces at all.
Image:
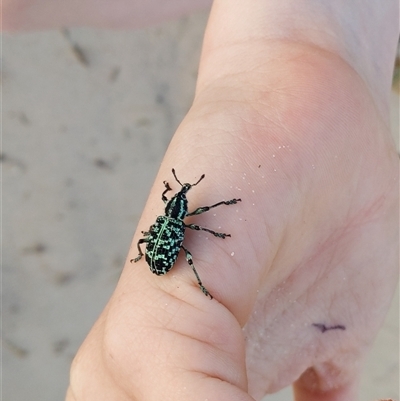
{"x":177,"y":207}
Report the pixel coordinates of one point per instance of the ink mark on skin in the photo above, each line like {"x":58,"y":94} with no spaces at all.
{"x":324,"y":328}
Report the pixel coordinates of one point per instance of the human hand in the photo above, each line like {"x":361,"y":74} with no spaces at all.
{"x":302,"y":138}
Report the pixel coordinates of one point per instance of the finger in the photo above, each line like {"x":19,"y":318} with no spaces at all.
{"x":160,"y":347}
{"x":121,"y":14}
{"x":90,"y":377}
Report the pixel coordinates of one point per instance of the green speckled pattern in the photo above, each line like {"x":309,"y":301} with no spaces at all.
{"x":165,"y":240}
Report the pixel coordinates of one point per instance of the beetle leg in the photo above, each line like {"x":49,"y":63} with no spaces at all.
{"x":141,"y":241}
{"x":198,"y":228}
{"x":189,"y":259}
{"x":207,"y":208}
{"x":167,"y":188}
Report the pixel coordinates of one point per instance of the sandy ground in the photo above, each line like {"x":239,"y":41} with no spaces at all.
{"x":87,"y":117}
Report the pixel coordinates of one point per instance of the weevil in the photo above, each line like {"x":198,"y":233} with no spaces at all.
{"x":164,"y":239}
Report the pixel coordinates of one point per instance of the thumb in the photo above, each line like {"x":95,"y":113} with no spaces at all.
{"x":150,"y":345}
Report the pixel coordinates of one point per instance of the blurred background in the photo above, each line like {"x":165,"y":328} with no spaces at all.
{"x":87,"y":117}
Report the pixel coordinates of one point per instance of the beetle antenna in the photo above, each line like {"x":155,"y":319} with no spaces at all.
{"x":176,"y":178}
{"x":199,"y":180}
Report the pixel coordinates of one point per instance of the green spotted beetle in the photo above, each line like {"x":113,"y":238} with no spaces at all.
{"x":165,"y":237}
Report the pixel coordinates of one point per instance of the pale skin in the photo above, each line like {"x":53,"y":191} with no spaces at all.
{"x":291,"y":116}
